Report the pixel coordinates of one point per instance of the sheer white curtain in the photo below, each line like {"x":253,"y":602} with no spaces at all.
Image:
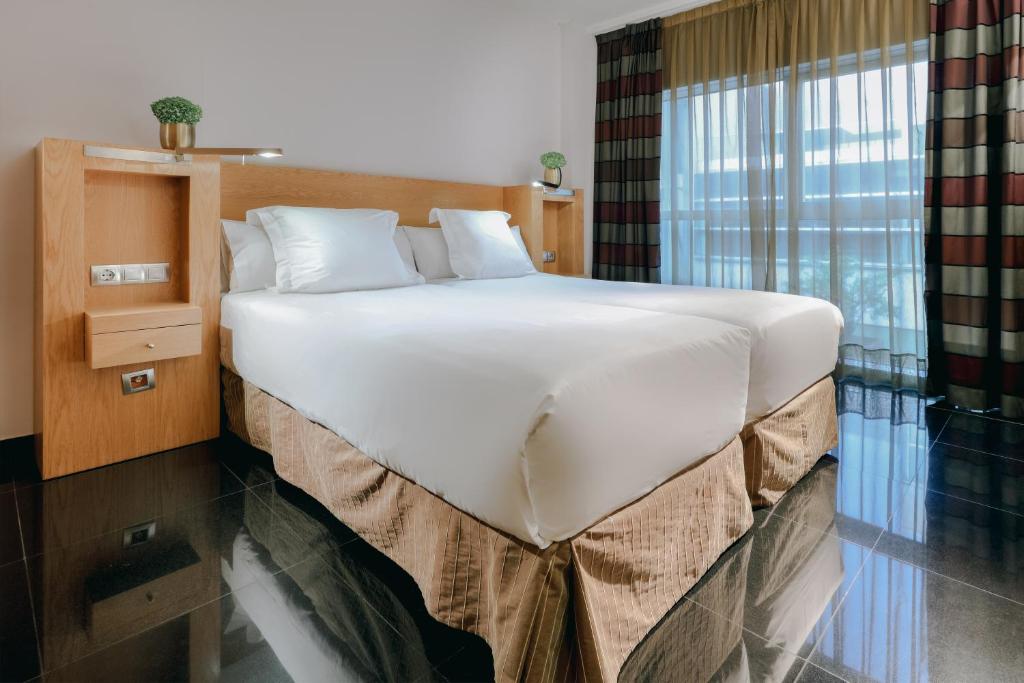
{"x":804,"y":177}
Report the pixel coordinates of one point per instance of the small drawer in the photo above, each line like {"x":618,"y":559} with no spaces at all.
{"x":140,"y":346}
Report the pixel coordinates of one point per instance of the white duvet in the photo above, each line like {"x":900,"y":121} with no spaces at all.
{"x":794,"y":339}
{"x":537,"y":417}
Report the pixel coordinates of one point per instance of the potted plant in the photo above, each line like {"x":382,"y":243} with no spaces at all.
{"x":552,"y":163}
{"x":178,"y":118}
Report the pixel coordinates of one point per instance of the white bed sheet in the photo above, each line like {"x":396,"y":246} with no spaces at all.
{"x":537,"y":417}
{"x":794,"y":339}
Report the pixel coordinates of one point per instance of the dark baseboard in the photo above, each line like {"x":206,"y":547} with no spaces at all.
{"x":17,"y":445}
{"x":18,"y":460}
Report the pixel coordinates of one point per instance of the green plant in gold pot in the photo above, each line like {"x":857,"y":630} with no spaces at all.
{"x":178,"y":118}
{"x":552,"y":163}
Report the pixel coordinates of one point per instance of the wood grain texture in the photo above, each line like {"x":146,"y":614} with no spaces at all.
{"x":135,"y":218}
{"x":143,"y":346}
{"x":570,"y":236}
{"x":141,"y":317}
{"x":524,"y":203}
{"x":549,"y":223}
{"x":82,"y":418}
{"x":142,"y":167}
{"x":254,"y":186}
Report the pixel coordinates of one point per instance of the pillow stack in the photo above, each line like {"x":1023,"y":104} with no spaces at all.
{"x":318,"y":250}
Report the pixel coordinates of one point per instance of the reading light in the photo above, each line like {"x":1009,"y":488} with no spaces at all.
{"x":265,"y":152}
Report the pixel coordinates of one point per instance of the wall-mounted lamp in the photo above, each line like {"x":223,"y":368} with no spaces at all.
{"x":181,"y":154}
{"x":265,"y":152}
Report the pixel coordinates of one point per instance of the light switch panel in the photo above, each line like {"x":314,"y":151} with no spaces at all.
{"x":549,"y":257}
{"x":158,"y":272}
{"x":133,"y":273}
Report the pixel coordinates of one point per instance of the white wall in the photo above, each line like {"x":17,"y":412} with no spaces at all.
{"x":452,"y":89}
{"x":579,"y":97}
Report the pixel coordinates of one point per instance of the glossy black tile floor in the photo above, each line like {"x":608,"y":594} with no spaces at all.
{"x":899,"y":558}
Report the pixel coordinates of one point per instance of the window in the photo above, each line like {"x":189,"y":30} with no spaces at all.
{"x":810,"y":185}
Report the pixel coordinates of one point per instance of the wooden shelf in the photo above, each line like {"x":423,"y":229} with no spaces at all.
{"x":549,"y":222}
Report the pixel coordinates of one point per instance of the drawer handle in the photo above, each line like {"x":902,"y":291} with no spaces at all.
{"x":151,"y":345}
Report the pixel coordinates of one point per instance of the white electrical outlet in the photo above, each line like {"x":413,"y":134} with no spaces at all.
{"x":106,"y":275}
{"x":549,"y":257}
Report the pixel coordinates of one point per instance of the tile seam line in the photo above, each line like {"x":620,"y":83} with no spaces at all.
{"x":28,"y":583}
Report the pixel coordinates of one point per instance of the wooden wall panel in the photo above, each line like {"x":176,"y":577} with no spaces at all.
{"x":82,"y":418}
{"x":525,"y":205}
{"x":253,"y":186}
{"x":563,"y":233}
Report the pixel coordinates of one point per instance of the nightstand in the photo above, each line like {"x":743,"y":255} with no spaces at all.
{"x":127,"y":303}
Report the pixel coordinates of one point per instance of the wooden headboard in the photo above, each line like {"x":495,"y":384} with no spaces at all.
{"x":548,"y":222}
{"x":252,"y":186}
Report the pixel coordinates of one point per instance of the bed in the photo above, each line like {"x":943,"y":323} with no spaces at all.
{"x":581,"y":464}
{"x":511,"y":506}
{"x":790,"y":414}
{"x":518,"y":414}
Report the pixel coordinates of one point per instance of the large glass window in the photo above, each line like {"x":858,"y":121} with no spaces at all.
{"x":811,"y":184}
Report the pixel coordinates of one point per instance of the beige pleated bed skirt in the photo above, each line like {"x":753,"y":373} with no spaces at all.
{"x":576,"y":609}
{"x":779,"y":449}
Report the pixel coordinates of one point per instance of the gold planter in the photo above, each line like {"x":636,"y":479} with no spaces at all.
{"x":553,"y":176}
{"x":174,"y":135}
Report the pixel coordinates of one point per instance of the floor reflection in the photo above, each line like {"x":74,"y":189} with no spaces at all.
{"x":900,"y":557}
{"x":173,"y":568}
{"x":753,"y":612}
{"x":324,"y":619}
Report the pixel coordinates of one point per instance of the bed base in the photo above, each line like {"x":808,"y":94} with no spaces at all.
{"x":574,"y":610}
{"x":780,"y":448}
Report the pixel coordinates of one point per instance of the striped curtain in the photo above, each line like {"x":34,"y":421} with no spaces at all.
{"x":627,"y":155}
{"x":974,"y":194}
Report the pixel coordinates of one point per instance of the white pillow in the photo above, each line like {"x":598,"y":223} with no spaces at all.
{"x":518,"y":234}
{"x":334,"y":250}
{"x":431,"y":252}
{"x":248,"y":258}
{"x":404,"y":247}
{"x":480,"y":244}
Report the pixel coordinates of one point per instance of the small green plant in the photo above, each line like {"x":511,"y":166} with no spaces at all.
{"x":176,"y":110}
{"x":552,"y":160}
